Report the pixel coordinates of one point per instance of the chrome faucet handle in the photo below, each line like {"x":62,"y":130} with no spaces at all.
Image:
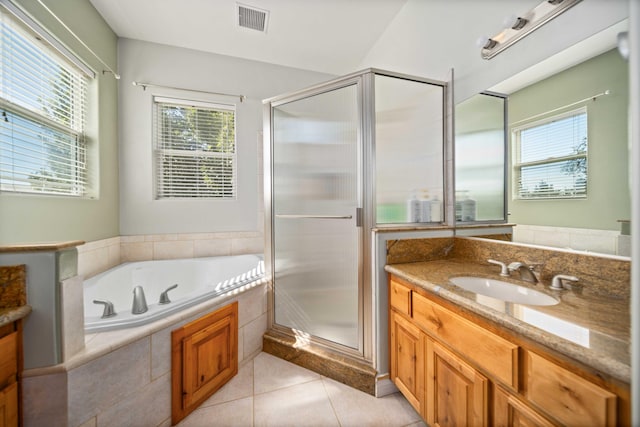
{"x":557,"y":282}
{"x":108,"y":308}
{"x":164,"y":297}
{"x":504,"y":271}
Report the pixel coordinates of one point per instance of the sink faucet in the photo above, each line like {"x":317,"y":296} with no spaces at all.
{"x":526,"y":272}
{"x":557,"y":282}
{"x":504,"y":271}
{"x":139,"y":301}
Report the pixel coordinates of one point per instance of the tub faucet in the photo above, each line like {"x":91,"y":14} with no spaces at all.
{"x":164,"y":297}
{"x":526,"y":272}
{"x":139,"y":301}
{"x":108,"y":308}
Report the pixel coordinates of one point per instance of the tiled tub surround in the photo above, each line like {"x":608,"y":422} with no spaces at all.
{"x":123,"y":377}
{"x":55,"y":329}
{"x":580,"y":239}
{"x":594,"y":317}
{"x":101,"y":255}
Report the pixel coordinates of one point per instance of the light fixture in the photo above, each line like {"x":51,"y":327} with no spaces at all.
{"x":516,"y":27}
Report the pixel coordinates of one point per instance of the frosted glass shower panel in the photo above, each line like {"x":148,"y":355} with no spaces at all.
{"x":480,"y":159}
{"x":409,"y":150}
{"x":315,"y":198}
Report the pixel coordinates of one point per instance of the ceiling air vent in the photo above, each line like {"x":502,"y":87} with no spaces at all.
{"x":252,"y":17}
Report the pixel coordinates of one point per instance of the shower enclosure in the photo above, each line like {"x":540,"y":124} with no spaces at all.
{"x":326,"y":191}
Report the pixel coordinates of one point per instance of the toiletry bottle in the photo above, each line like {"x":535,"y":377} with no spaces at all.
{"x":468,"y":209}
{"x":425,"y":207}
{"x":436,"y":210}
{"x":413,"y":208}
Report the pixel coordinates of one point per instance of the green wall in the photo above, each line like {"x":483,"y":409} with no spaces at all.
{"x":31,"y":218}
{"x":608,"y":196}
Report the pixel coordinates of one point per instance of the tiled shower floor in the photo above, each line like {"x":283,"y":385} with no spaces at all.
{"x":272,"y":392}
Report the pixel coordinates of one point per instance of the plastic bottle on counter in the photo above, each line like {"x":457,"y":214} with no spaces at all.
{"x":425,"y":207}
{"x":436,"y":210}
{"x":468,"y":208}
{"x":413,"y":208}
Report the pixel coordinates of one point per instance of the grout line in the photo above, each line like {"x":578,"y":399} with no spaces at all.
{"x":253,"y":391}
{"x":335,"y":413}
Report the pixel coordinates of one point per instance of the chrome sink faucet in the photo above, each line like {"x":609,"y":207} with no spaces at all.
{"x":504,"y":271}
{"x":526,"y":272}
{"x":557,"y":282}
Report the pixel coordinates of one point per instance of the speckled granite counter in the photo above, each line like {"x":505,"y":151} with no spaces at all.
{"x":10,"y":315}
{"x":587,"y":326}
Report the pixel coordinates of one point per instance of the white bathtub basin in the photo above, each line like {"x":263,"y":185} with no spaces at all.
{"x":504,"y":291}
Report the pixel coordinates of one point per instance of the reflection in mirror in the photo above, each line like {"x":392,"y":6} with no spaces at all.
{"x":480,"y":158}
{"x":574,"y":194}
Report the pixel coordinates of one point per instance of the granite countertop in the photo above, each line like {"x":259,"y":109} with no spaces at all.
{"x":11,"y":314}
{"x":587,"y":326}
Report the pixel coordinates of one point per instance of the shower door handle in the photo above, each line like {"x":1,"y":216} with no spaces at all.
{"x":314,"y":216}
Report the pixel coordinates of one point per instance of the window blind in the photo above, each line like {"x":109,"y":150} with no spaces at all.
{"x":195,"y":149}
{"x":552,"y":158}
{"x":43,"y":103}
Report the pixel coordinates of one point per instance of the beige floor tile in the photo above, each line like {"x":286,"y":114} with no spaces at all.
{"x":269,"y":391}
{"x":271,"y":373}
{"x":237,"y":413}
{"x":239,"y":387}
{"x":299,"y":405}
{"x":355,"y":408}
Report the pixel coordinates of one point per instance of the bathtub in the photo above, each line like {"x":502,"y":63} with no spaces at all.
{"x":198,"y":280}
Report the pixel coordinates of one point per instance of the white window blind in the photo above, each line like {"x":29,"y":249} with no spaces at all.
{"x":43,"y":102}
{"x":195,"y":149}
{"x":551,"y":158}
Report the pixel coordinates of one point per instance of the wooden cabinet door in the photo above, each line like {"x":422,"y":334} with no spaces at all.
{"x":407,"y":359}
{"x":509,"y":411}
{"x":565,"y":396}
{"x":456,"y":394}
{"x":8,"y":359}
{"x":204,"y":357}
{"x":9,"y":406}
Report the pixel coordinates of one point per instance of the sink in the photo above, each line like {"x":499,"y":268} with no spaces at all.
{"x":504,"y":291}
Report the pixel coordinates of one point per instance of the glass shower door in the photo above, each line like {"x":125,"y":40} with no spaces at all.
{"x":316,"y":198}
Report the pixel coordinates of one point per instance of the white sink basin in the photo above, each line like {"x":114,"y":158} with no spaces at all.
{"x":504,"y":291}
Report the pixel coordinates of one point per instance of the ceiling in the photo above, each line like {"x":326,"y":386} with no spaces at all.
{"x":338,"y":36}
{"x":331,"y":36}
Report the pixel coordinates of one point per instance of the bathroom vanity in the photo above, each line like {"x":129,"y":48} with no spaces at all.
{"x":462,"y":358}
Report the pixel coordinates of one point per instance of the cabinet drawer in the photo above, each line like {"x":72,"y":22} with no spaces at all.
{"x":400,"y":297}
{"x":570,"y":399}
{"x":8,"y":359}
{"x":493,"y":353}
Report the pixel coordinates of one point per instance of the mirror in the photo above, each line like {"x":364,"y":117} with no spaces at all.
{"x":572,"y":194}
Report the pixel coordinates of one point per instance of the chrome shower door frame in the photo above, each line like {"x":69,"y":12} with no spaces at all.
{"x":364,"y":328}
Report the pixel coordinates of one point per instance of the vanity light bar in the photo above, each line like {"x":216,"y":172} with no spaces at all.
{"x":525,"y":24}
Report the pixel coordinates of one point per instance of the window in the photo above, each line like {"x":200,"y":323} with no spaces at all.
{"x":551,"y":158}
{"x":43,"y":98}
{"x":195,"y":149}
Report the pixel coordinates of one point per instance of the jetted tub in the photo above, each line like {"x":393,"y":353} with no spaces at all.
{"x":198,"y":280}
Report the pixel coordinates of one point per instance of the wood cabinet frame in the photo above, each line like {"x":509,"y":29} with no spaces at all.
{"x":204,"y":357}
{"x":529,"y":384}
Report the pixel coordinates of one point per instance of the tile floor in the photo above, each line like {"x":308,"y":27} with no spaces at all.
{"x":269,"y":391}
